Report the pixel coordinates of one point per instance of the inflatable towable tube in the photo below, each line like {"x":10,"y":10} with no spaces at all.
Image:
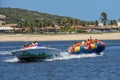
{"x":87,"y":46}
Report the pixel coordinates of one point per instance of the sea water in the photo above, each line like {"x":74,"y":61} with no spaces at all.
{"x":66,"y":67}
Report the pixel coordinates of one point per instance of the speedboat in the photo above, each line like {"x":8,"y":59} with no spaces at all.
{"x":33,"y":53}
{"x":87,"y":46}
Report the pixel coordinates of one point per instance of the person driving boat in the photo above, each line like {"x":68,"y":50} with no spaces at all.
{"x":34,"y":43}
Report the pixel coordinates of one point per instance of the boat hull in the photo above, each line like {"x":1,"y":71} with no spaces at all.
{"x":32,"y":54}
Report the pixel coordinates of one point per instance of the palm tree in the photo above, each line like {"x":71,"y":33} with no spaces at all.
{"x":113,"y":22}
{"x":104,"y":18}
{"x":96,"y":23}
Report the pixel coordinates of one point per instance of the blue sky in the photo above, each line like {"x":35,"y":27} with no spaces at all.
{"x":81,"y":9}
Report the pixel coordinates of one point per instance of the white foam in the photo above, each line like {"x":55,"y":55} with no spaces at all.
{"x":67,"y":56}
{"x":12,"y":60}
{"x":63,"y":56}
{"x":5,"y":53}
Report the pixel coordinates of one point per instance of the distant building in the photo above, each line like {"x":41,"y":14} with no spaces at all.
{"x":2,"y":16}
{"x":11,"y":25}
{"x":84,"y":28}
{"x":1,"y":23}
{"x":51,"y":29}
{"x":100,"y":24}
{"x":118,"y":23}
{"x":6,"y":28}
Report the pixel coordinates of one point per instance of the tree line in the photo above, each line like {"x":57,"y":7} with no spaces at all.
{"x":33,"y":19}
{"x":27,"y":18}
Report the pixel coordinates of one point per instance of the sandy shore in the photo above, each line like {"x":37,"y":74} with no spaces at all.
{"x":27,"y":37}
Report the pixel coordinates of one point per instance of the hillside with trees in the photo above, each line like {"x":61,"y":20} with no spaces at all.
{"x":27,"y":18}
{"x":37,"y":22}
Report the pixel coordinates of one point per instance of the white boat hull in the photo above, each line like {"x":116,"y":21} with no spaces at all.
{"x":34,"y":53}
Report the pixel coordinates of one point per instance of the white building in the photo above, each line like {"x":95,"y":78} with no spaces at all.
{"x":100,"y":24}
{"x":118,"y":23}
{"x":6,"y":28}
{"x":2,"y":16}
{"x":1,"y":23}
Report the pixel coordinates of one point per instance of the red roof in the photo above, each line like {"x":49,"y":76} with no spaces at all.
{"x":11,"y":25}
{"x":81,"y":27}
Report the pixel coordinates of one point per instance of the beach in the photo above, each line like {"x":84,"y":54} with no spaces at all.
{"x":57,"y":37}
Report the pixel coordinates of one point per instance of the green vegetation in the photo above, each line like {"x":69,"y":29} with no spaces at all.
{"x":37,"y":22}
{"x":104,"y":18}
{"x":31,"y":19}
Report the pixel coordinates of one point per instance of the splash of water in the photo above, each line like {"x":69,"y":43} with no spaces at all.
{"x":67,"y":56}
{"x":7,"y":56}
{"x":12,"y":60}
{"x":63,"y":56}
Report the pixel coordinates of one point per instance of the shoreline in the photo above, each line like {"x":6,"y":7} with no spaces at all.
{"x":57,"y":37}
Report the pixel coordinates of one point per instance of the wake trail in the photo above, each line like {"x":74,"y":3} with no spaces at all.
{"x":63,"y":56}
{"x":67,"y":56}
{"x":11,"y":60}
{"x":6,"y":56}
{"x":3,"y":53}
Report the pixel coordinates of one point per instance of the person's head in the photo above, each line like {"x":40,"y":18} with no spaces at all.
{"x":34,"y":41}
